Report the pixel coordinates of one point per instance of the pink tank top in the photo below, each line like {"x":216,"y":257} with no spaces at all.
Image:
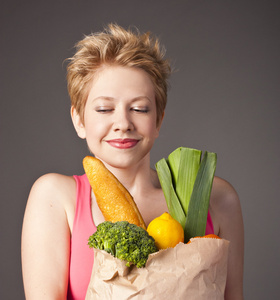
{"x":81,"y":256}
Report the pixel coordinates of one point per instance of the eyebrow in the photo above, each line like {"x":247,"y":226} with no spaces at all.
{"x":107,"y":98}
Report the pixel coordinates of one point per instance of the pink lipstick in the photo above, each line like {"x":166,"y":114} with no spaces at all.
{"x":123,"y":143}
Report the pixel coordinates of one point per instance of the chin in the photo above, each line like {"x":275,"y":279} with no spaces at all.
{"x":122,"y":162}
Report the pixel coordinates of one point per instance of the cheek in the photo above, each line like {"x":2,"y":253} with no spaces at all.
{"x":95,"y":129}
{"x":150,"y":129}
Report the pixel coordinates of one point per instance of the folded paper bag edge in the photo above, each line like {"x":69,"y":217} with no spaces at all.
{"x":160,"y":263}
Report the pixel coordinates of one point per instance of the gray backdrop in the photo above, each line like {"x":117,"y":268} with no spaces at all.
{"x":224,"y":97}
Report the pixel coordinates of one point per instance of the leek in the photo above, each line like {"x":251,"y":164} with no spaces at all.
{"x":188,"y":167}
{"x":173,"y":203}
{"x":186,"y":181}
{"x":199,"y":202}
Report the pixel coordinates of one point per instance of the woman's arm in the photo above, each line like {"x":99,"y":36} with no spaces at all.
{"x":227,"y":212}
{"x":46,"y":239}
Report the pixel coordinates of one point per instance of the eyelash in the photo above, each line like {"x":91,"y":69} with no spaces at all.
{"x":141,"y":110}
{"x":103,"y":110}
{"x":137,"y":110}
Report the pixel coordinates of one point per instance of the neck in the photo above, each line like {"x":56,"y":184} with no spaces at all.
{"x":135,"y":177}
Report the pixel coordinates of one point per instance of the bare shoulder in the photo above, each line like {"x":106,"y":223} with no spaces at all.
{"x":53,"y":186}
{"x":224,"y":195}
{"x":56,"y":191}
{"x":221,"y":187}
{"x":225,"y":206}
{"x":53,"y":183}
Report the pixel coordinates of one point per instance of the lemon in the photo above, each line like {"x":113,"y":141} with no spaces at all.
{"x":166,"y":231}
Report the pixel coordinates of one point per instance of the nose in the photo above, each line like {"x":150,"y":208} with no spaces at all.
{"x":122,"y":121}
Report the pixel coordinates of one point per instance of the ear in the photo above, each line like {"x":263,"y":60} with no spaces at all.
{"x":78,"y":124}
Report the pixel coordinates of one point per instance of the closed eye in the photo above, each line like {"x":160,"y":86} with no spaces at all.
{"x":103,"y":110}
{"x":140,"y":110}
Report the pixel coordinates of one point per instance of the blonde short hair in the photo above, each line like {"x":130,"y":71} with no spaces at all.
{"x":117,"y":46}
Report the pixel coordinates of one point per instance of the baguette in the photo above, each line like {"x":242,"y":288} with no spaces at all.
{"x":113,"y":199}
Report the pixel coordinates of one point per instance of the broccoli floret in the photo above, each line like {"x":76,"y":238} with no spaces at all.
{"x":125,"y":241}
{"x":95,"y":241}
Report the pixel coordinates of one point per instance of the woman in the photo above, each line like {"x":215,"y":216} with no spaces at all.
{"x":117,"y":82}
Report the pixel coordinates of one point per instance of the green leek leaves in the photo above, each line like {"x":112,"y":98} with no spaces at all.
{"x":186,"y":181}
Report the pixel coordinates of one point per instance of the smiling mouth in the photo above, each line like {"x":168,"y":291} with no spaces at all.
{"x":123,"y":143}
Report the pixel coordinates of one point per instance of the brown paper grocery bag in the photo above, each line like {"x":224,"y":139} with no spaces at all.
{"x":189,"y":271}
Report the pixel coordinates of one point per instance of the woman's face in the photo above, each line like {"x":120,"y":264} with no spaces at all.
{"x":120,"y":116}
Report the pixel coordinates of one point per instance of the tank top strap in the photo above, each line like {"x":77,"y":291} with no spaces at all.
{"x":81,"y":256}
{"x":83,"y":202}
{"x":209,"y":225}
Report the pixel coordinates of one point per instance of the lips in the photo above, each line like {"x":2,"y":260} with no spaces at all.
{"x":123,"y":143}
